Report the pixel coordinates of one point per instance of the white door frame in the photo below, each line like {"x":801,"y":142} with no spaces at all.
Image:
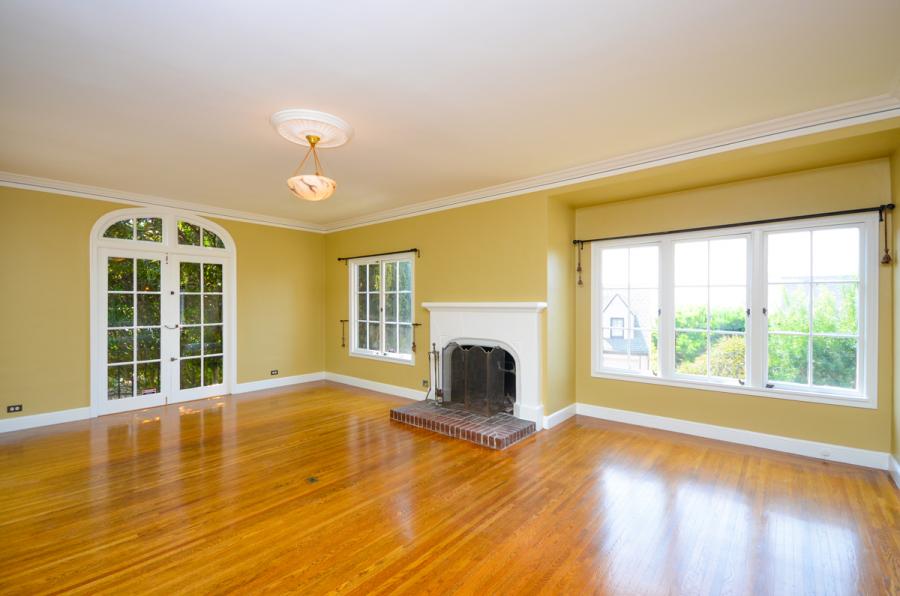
{"x":169,"y":247}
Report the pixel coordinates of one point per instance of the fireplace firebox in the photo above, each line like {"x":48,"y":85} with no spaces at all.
{"x":479,"y":379}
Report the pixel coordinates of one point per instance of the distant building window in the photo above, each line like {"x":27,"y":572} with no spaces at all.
{"x":617,"y":327}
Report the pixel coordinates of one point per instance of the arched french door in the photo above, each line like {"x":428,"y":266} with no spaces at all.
{"x":162,"y":309}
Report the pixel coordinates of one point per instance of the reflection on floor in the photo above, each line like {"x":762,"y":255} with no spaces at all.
{"x":313,"y":488}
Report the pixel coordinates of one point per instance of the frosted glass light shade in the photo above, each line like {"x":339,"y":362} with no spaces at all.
{"x":312,"y":187}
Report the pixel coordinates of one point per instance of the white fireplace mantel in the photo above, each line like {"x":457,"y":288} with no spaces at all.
{"x":514,"y":326}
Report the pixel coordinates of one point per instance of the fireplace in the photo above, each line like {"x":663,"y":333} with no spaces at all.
{"x":479,"y":378}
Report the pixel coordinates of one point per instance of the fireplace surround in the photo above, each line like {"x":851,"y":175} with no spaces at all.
{"x":513,"y":326}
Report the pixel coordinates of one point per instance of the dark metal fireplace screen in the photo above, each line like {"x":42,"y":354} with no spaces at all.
{"x":480,"y":379}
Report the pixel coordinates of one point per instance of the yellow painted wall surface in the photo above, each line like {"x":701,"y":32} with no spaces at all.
{"x":44,"y":305}
{"x":895,"y":187}
{"x":560,"y":320}
{"x":842,"y":187}
{"x":494,"y":251}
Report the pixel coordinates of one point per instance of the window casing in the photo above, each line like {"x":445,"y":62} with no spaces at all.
{"x":381,"y":308}
{"x":750,"y":310}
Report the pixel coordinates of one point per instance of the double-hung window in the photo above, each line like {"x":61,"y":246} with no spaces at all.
{"x":784,"y":310}
{"x":381,"y":308}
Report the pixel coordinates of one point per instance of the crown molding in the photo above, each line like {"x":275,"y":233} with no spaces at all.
{"x":853,"y":113}
{"x":97,"y":193}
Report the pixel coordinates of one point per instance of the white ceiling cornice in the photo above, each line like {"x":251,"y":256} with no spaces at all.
{"x":871,"y":109}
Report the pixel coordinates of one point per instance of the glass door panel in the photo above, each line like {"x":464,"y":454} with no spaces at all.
{"x":132,"y":297}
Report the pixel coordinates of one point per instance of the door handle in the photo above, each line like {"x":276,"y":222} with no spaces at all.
{"x":168,"y":327}
{"x":172,"y":359}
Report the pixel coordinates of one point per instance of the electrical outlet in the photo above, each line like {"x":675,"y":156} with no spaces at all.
{"x":13,"y":408}
{"x":273,"y":372}
{"x":424,"y":382}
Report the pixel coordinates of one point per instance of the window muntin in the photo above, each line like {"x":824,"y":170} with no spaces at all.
{"x":710,"y":289}
{"x":811,"y":330}
{"x":382,"y":308}
{"x":630,"y":278}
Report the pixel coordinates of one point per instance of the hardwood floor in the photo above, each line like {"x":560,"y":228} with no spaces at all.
{"x":312,"y":489}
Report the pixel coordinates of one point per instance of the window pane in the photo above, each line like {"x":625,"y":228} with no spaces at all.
{"x":614,"y":267}
{"x":361,"y":278}
{"x":361,"y":336}
{"x":212,"y":339}
{"x":149,"y":229}
{"x":362,"y":301}
{"x":120,"y":345}
{"x":835,"y":308}
{"x":188,"y":234}
{"x":691,"y":263}
{"x":643,"y":267}
{"x":728,"y":262}
{"x":212,"y":308}
{"x":727,"y":355}
{"x":690,"y":353}
{"x":390,"y":276}
{"x":789,"y":307}
{"x":120,"y":310}
{"x":788,"y":358}
{"x":212,"y":240}
{"x":120,"y":274}
{"x":789,"y":259}
{"x":405,"y":268}
{"x":644,"y":309}
{"x":406,"y":335}
{"x":190,"y":373}
{"x":190,"y":309}
{"x":728,"y":309}
{"x":390,"y":338}
{"x":836,"y":254}
{"x":615,"y":351}
{"x":212,"y":371}
{"x":639,"y":347}
{"x":148,"y":309}
{"x":374,"y":336}
{"x":120,"y":381}
{"x":374,"y":310}
{"x":690,"y":308}
{"x":190,"y":277}
{"x":212,"y":277}
{"x":390,"y":307}
{"x":148,"y":275}
{"x":148,"y":378}
{"x":190,"y":341}
{"x":374,"y":277}
{"x":148,"y":344}
{"x":124,"y":230}
{"x":834,"y":362}
{"x":405,"y":308}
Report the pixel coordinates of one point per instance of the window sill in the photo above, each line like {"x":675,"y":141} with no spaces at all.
{"x":820,"y":398}
{"x":409,"y":361}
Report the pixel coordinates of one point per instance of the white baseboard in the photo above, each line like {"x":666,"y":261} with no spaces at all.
{"x":35,"y":420}
{"x":376,"y":386}
{"x":277,"y":382}
{"x":559,"y":416}
{"x":895,"y":471}
{"x":826,"y":451}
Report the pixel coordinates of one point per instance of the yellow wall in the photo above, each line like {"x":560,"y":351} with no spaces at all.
{"x":895,"y":187}
{"x":494,"y":251}
{"x":44,"y":306}
{"x":559,"y":389}
{"x":864,"y":184}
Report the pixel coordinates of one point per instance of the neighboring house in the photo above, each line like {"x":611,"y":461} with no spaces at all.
{"x":621,"y":339}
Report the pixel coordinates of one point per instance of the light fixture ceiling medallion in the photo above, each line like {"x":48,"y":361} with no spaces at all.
{"x":314,"y":130}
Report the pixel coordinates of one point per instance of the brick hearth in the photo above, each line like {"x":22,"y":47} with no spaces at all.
{"x":497,"y":432}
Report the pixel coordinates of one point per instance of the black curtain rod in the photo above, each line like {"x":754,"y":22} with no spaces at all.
{"x":880,"y":209}
{"x":381,"y":254}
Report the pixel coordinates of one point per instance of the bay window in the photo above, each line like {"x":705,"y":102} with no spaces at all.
{"x":782,"y":310}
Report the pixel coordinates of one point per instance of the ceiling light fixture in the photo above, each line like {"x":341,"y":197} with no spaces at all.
{"x":312,"y":129}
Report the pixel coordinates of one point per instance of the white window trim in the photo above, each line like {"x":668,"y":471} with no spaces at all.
{"x":866,"y":397}
{"x":354,"y":351}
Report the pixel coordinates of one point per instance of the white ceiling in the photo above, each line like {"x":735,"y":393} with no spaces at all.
{"x":172,"y":98}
